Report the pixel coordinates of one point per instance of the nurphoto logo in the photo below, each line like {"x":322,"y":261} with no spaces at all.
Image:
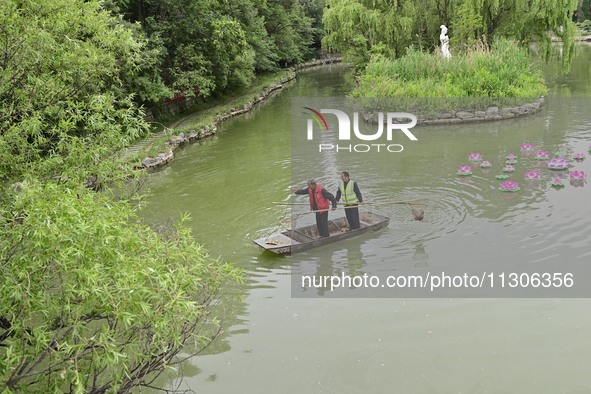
{"x":344,"y":130}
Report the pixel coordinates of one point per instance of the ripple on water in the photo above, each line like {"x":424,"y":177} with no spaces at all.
{"x":444,"y":212}
{"x":567,"y":234}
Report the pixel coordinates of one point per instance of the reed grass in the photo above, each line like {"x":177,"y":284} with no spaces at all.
{"x":505,"y":70}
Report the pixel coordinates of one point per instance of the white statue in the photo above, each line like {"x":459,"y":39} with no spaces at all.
{"x":444,"y":39}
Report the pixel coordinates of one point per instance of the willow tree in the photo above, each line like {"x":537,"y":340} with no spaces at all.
{"x":359,"y":27}
{"x":527,"y":21}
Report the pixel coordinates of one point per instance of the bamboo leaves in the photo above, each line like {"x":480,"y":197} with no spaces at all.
{"x":91,"y":299}
{"x":91,"y":287}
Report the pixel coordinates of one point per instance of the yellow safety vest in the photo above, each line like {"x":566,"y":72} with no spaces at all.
{"x":349,"y":196}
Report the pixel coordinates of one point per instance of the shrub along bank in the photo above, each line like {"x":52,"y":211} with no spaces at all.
{"x":91,"y":298}
{"x":502,"y":76}
{"x":505,"y":70}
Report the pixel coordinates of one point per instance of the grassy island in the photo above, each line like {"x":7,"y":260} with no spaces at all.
{"x":504,"y":70}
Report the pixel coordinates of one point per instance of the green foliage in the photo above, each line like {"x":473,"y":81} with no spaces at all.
{"x":290,"y":29}
{"x":91,"y":300}
{"x":585,"y":26}
{"x":504,"y":71}
{"x":522,"y":20}
{"x":355,"y":26}
{"x":218,"y":46}
{"x":60,"y":89}
{"x":145,"y":80}
{"x":314,"y":9}
{"x":467,"y":26}
{"x":233,"y":57}
{"x":253,"y":22}
{"x":400,"y":24}
{"x":584,"y":10}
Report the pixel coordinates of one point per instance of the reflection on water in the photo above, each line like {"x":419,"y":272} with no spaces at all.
{"x":275,"y":343}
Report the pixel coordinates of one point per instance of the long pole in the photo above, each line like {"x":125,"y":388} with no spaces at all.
{"x":326,"y":210}
{"x":349,"y":207}
{"x":412,"y":202}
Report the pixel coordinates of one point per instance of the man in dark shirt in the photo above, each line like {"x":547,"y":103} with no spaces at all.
{"x":349,"y":190}
{"x":319,"y":201}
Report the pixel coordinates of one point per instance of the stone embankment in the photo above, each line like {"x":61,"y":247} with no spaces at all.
{"x":465,"y":116}
{"x":178,"y":141}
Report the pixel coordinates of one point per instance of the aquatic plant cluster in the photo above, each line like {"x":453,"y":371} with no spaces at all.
{"x":556,"y":168}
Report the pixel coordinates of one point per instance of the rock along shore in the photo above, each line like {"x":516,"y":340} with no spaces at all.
{"x":465,"y":116}
{"x":178,"y":141}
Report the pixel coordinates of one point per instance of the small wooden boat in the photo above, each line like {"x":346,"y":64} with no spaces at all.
{"x":307,"y":237}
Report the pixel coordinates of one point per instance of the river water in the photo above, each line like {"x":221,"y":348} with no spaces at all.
{"x":277,"y":343}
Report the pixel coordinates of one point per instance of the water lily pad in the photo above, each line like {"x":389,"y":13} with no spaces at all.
{"x":509,"y":190}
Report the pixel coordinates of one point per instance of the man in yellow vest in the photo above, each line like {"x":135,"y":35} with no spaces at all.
{"x":349,"y":190}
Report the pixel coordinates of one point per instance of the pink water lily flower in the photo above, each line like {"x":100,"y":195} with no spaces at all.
{"x":532,"y":175}
{"x":509,"y":186}
{"x":558,"y":163}
{"x":486,"y":164}
{"x":579,"y":156}
{"x":475,"y":156}
{"x":464,"y":170}
{"x":509,"y":169}
{"x":527,"y":147}
{"x":577,"y":175}
{"x":541,"y":155}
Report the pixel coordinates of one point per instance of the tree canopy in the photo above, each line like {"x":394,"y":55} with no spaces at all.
{"x":359,"y":28}
{"x":62,"y":89}
{"x":218,"y":45}
{"x":91,"y":298}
